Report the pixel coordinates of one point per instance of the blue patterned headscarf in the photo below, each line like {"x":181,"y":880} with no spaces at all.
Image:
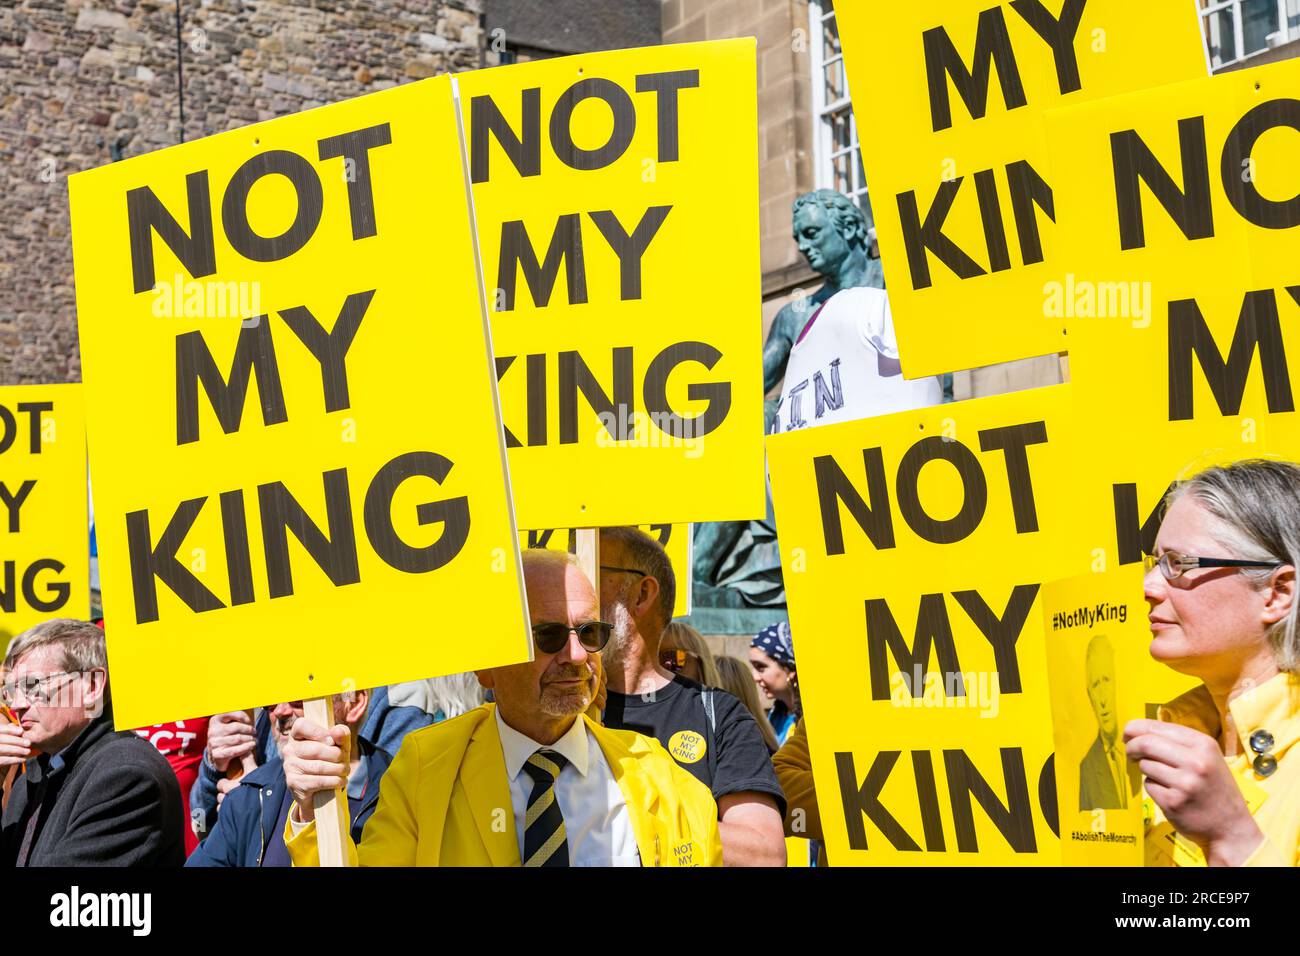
{"x":774,"y":641}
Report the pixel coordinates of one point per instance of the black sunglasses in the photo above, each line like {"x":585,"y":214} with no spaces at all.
{"x":592,"y":635}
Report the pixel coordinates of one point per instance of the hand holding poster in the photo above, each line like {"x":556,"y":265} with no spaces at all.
{"x":280,"y":505}
{"x":616,"y":202}
{"x":1101,"y":676}
{"x":914,"y":546}
{"x":965,"y":207}
{"x":1182,"y":297}
{"x":44,"y":560}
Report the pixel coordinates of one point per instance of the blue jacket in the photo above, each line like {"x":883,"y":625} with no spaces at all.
{"x":247,"y":822}
{"x":385,"y":726}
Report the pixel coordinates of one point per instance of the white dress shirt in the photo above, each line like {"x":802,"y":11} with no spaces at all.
{"x":596,"y":821}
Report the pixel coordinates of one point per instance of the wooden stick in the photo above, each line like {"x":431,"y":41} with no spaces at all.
{"x":331,"y":819}
{"x":588,"y":551}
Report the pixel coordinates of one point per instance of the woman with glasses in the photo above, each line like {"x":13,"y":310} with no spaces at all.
{"x":1221,"y":765}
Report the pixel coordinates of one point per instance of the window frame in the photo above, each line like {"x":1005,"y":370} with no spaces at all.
{"x":824,"y":110}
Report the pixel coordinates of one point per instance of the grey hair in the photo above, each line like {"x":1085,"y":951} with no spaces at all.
{"x":544,"y":556}
{"x":646,"y":554}
{"x":1257,"y":506}
{"x":454,"y":694}
{"x":843,"y":212}
{"x":81,"y":644}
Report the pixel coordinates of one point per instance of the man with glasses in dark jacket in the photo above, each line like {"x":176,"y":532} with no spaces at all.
{"x":89,"y":795}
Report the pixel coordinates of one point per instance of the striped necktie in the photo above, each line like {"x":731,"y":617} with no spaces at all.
{"x":544,"y":841}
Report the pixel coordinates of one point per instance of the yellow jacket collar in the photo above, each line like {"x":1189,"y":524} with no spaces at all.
{"x":1273,"y":706}
{"x":486,"y":786}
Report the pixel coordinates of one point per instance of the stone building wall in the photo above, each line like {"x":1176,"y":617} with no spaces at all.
{"x":785,"y":123}
{"x":85,"y":82}
{"x":786,"y":158}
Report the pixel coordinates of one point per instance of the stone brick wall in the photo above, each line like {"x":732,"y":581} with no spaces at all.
{"x":785,"y":149}
{"x":84,"y":82}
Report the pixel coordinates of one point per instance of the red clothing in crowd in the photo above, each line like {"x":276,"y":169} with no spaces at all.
{"x":182,"y":743}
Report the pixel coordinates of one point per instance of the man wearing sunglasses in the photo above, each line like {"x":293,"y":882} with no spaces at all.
{"x":529,"y":780}
{"x":707,"y":731}
{"x":92,"y":797}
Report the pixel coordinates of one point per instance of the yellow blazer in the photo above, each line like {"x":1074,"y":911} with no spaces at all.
{"x":445,"y":801}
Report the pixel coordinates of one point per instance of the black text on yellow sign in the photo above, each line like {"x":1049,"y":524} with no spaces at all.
{"x":965,"y":207}
{"x":44,"y":532}
{"x":676,"y":540}
{"x":1183,"y":323}
{"x":913,"y":549}
{"x":299,"y":478}
{"x":626,"y":356}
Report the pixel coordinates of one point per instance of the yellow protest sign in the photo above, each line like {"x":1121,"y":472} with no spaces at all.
{"x":913,"y":548}
{"x":677,"y":541}
{"x":966,"y":211}
{"x":44,"y":522}
{"x":616,"y":197}
{"x":294,"y":445}
{"x":1181,"y":294}
{"x":1101,"y":676}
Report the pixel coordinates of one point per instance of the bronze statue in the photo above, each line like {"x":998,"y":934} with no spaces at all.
{"x":737,"y":564}
{"x":833,"y":236}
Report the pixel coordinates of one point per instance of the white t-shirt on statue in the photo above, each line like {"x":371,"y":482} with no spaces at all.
{"x":846,"y":367}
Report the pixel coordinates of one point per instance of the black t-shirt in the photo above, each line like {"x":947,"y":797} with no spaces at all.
{"x":727,"y":754}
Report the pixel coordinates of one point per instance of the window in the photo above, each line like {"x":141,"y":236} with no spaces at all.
{"x":1236,"y":29}
{"x":836,"y":153}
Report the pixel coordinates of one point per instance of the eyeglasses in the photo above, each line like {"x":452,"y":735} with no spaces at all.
{"x":624,"y":570}
{"x":592,"y":635}
{"x":1173,"y":564}
{"x":36,"y":690}
{"x":675,"y":659}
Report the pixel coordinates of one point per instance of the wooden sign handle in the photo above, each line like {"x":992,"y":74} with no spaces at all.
{"x":331,"y":819}
{"x":588,"y":551}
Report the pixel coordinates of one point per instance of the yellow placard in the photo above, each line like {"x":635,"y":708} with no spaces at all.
{"x":950,"y":99}
{"x":913,"y":548}
{"x":44,"y":525}
{"x":282,"y":509}
{"x":1101,"y":676}
{"x":616,"y":198}
{"x":677,"y":540}
{"x":1182,"y":295}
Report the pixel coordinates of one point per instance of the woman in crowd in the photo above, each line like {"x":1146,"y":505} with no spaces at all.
{"x":683,"y":651}
{"x":771,"y":655}
{"x":1221,"y":764}
{"x":737,"y":678}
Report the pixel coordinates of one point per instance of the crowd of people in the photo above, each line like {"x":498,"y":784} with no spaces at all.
{"x":626,"y":741}
{"x":620,"y":743}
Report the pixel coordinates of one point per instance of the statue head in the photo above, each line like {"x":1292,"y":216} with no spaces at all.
{"x":828,"y":228}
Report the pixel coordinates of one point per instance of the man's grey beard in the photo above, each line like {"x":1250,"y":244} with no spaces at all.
{"x":620,"y":640}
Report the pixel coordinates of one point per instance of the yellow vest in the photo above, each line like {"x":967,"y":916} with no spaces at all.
{"x":445,"y":801}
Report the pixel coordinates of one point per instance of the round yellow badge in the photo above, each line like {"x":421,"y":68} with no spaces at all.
{"x":687,"y":746}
